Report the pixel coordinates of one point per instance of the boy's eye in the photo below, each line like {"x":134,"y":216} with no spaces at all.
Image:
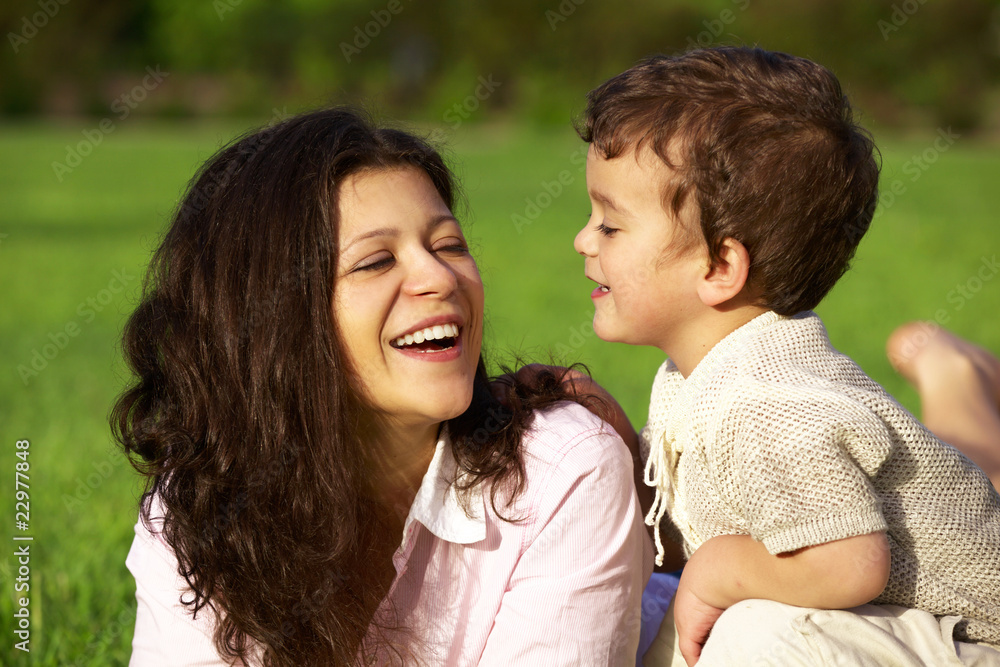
{"x":604,"y":229}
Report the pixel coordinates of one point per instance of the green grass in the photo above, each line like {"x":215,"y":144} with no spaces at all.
{"x":61,"y":244}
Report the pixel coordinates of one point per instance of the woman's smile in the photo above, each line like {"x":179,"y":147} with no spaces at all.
{"x":442,"y":334}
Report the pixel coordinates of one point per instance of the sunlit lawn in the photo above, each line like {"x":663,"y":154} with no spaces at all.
{"x":71,"y":261}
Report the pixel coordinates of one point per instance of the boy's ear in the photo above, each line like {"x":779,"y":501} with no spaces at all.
{"x":726,"y":279}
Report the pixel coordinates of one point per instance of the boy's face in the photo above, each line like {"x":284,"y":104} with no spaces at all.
{"x":646,"y":267}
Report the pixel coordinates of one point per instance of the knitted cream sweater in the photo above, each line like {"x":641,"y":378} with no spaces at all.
{"x":778,"y":436}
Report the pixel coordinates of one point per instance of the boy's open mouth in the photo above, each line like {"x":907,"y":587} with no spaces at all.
{"x":603,"y":288}
{"x":430,"y":339}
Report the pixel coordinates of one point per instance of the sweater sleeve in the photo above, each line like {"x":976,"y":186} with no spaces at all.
{"x":801,"y":466}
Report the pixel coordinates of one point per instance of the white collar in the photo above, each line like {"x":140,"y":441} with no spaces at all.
{"x":436,"y":504}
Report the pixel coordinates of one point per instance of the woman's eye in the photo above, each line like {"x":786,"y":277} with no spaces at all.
{"x":452,"y":246}
{"x":375,"y":264}
{"x":604,"y":229}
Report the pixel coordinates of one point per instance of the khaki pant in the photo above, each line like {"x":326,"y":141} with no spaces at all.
{"x":763,"y":633}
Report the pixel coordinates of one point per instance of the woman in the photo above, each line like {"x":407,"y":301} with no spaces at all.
{"x":310,"y":388}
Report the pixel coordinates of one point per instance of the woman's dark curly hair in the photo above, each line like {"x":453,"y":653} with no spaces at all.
{"x":241,"y":415}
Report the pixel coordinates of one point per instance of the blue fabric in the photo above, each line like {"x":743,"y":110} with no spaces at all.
{"x":656,"y":598}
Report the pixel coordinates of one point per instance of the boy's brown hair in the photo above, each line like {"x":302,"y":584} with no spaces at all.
{"x":768,"y":146}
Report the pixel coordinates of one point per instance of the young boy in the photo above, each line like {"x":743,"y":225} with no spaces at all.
{"x":730,"y":188}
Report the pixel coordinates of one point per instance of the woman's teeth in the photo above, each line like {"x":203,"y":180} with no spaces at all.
{"x":605,"y":288}
{"x":437,"y":332}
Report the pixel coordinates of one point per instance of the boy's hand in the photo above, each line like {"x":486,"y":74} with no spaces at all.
{"x":727,"y":569}
{"x":693,"y":616}
{"x":585,"y":390}
{"x":596,"y":398}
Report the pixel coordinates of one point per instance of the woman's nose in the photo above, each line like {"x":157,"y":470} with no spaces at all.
{"x":429,"y":274}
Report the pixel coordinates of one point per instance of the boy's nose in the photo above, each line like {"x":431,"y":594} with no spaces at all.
{"x":584,"y":241}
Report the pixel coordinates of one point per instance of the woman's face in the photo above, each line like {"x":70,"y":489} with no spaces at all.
{"x":408,"y":300}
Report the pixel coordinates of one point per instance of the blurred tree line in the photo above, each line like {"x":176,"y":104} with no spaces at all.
{"x":906,"y":62}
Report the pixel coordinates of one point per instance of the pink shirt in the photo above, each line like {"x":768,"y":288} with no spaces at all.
{"x":561,"y":587}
